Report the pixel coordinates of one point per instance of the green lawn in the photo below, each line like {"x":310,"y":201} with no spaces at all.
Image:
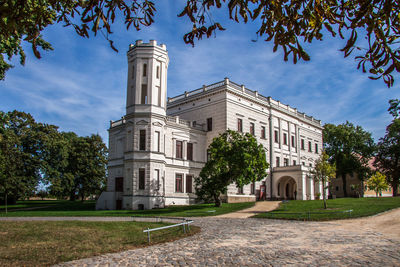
{"x":87,"y":208}
{"x":361,"y":207}
{"x":48,"y":243}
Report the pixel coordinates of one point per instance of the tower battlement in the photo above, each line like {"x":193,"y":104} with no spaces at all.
{"x":150,"y":43}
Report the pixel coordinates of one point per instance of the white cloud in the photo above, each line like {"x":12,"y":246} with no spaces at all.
{"x":68,"y":98}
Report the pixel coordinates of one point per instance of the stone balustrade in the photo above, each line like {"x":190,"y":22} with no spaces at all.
{"x":232,"y":85}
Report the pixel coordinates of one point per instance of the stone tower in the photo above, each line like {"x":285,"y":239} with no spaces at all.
{"x":136,"y":165}
{"x":144,"y":159}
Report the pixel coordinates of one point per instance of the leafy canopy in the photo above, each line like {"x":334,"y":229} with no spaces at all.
{"x":77,"y":166}
{"x":233,"y":158}
{"x":388,"y":149}
{"x":23,"y":21}
{"x":350,"y":148}
{"x":324,"y":172}
{"x":289,"y":23}
{"x":33,"y":152}
{"x":371,"y":28}
{"x":377,"y":183}
{"x":394,"y":108}
{"x":22,"y":142}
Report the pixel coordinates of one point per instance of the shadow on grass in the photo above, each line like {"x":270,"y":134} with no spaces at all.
{"x":87,"y":208}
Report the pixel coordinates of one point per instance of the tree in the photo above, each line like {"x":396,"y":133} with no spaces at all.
{"x":92,"y":159}
{"x":289,"y":23}
{"x":349,"y":148}
{"x":23,"y":21}
{"x":358,"y":188}
{"x":33,"y":152}
{"x":21,"y":146}
{"x":79,"y":168}
{"x":394,"y":108}
{"x":323,"y":172}
{"x":42,"y":194}
{"x":60,"y":166}
{"x":387,"y":158}
{"x":377,"y":183}
{"x":57,"y":174}
{"x":233,"y":158}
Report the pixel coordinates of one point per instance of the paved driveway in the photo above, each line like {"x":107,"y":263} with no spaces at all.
{"x":255,"y":242}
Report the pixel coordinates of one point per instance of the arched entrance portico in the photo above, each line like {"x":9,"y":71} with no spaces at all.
{"x":289,"y":181}
{"x":286,"y":188}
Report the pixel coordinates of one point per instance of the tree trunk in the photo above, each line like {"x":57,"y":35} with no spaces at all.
{"x":324,"y":193}
{"x":395,"y":186}
{"x":344,"y":184}
{"x":6,"y":202}
{"x":72,"y":197}
{"x":217,"y":201}
{"x":12,"y":200}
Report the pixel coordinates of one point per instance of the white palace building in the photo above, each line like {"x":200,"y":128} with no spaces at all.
{"x":160,"y":145}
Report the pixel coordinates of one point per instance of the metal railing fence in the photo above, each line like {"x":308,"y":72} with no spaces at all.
{"x":185,"y":224}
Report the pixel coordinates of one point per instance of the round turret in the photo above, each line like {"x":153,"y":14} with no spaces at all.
{"x":147,"y":77}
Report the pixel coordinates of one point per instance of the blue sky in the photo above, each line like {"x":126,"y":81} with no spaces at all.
{"x":81,"y":85}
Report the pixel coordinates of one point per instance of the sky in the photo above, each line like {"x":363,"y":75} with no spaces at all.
{"x":81,"y":85}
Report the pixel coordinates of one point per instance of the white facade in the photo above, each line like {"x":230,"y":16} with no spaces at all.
{"x":160,"y":145}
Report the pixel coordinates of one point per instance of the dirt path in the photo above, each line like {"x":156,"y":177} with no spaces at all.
{"x":260,"y":206}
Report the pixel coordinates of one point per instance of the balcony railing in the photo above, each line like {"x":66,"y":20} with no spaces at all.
{"x":184,"y":122}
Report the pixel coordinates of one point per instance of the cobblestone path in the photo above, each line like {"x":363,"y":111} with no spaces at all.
{"x":259,"y":242}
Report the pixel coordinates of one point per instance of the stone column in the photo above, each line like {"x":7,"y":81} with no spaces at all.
{"x":173,"y":148}
{"x":302,"y":192}
{"x":184,"y":150}
{"x":280,"y":135}
{"x":289,"y":137}
{"x":298,"y":144}
{"x":151,"y":86}
{"x":311,"y":186}
{"x":271,"y":155}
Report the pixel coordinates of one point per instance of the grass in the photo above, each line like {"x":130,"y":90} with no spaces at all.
{"x":76,"y":208}
{"x":361,"y":207}
{"x":48,"y":243}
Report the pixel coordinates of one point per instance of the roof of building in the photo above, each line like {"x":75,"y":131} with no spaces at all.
{"x":242,"y":90}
